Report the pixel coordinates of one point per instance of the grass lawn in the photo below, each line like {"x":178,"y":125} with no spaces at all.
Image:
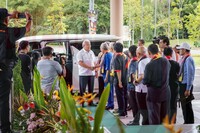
{"x":196,"y":60}
{"x":175,"y":42}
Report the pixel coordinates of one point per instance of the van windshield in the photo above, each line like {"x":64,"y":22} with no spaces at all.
{"x":59,"y":47}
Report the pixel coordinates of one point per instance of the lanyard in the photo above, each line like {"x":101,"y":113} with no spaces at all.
{"x":156,"y":56}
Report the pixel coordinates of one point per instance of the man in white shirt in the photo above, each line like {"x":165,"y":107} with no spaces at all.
{"x":86,"y":61}
{"x":141,"y":89}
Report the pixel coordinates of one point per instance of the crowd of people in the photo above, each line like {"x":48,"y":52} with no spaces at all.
{"x":149,"y":81}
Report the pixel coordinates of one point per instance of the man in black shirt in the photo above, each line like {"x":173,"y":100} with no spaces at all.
{"x":8,"y":36}
{"x":132,"y":67}
{"x":156,"y":77}
{"x":25,"y":65}
{"x":119,"y":77}
{"x":173,"y":81}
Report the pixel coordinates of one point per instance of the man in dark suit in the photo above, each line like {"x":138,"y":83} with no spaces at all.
{"x":173,"y":81}
{"x":156,"y":77}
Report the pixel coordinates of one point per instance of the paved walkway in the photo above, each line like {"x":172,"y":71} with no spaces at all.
{"x":190,"y":128}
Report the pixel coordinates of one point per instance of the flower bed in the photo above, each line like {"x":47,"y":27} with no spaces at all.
{"x":58,"y":111}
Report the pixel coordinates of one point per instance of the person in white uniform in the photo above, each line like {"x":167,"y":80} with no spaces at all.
{"x":141,"y":89}
{"x":86,"y":64}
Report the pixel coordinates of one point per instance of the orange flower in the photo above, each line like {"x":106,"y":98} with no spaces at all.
{"x":81,"y":101}
{"x":57,"y":114}
{"x":76,"y":98}
{"x":91,"y":98}
{"x":170,"y":125}
{"x":87,"y":95}
{"x":70,"y":88}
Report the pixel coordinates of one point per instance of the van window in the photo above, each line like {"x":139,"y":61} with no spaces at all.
{"x":35,"y":45}
{"x":59,"y":47}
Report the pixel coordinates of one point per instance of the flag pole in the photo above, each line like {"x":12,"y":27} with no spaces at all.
{"x":169,"y":2}
{"x":155,"y":17}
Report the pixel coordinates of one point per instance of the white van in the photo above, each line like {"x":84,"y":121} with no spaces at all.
{"x":69,"y":45}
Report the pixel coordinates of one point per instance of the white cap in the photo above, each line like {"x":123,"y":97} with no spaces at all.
{"x":184,"y":46}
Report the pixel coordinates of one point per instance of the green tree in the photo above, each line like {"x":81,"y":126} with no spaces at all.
{"x":76,"y":12}
{"x":193,"y":25}
{"x":37,"y":8}
{"x":55,"y":19}
{"x":103,"y":22}
{"x":135,"y":20}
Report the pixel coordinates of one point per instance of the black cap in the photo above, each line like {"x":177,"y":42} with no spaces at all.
{"x":3,"y":13}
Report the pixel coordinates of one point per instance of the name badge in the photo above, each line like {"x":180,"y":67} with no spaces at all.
{"x":112,"y":72}
{"x":102,"y":70}
{"x":180,"y":78}
{"x":129,"y":79}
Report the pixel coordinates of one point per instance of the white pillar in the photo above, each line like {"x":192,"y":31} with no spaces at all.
{"x":116,"y":17}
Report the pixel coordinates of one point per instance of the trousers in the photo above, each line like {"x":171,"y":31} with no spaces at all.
{"x":5,"y":86}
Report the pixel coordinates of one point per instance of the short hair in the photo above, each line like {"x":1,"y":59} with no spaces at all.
{"x":86,"y":41}
{"x":168,"y":51}
{"x":104,"y":46}
{"x":47,"y":51}
{"x":187,"y":50}
{"x":118,"y":47}
{"x":141,"y":50}
{"x":165,"y":40}
{"x":35,"y":55}
{"x":142,"y":41}
{"x":23,"y":45}
{"x":153,"y":48}
{"x":111,"y":45}
{"x":132,"y":49}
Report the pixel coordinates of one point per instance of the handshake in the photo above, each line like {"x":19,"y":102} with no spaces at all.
{"x":92,"y":68}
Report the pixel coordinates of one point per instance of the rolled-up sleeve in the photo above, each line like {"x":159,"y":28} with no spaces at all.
{"x":58,"y":67}
{"x":117,"y":65}
{"x":133,"y":67}
{"x":79,"y":56}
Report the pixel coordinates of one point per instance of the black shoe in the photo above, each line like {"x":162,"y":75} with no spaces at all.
{"x":92,"y":104}
{"x":126,"y":113}
{"x":128,"y":108}
{"x":122,"y":115}
{"x":132,"y":123}
{"x":115,"y":111}
{"x":108,"y":108}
